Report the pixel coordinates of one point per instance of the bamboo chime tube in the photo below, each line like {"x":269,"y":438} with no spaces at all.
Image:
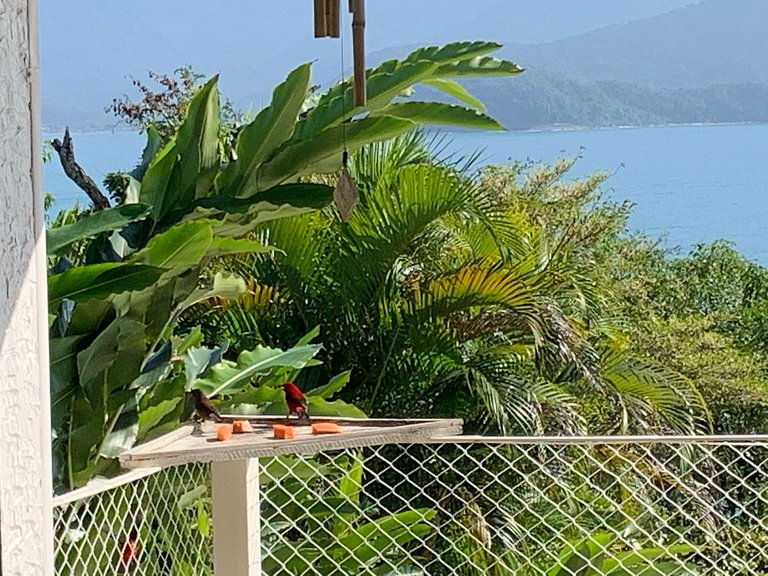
{"x":320,"y":26}
{"x":327,"y":18}
{"x":333,"y":17}
{"x":357,"y":7}
{"x":327,"y":24}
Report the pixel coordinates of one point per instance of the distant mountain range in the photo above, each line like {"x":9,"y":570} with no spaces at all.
{"x":704,"y":44}
{"x":539,"y":99}
{"x":705,"y":62}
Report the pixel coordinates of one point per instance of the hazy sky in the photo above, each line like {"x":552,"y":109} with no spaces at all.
{"x":90,"y":47}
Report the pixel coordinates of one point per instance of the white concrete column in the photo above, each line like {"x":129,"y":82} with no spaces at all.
{"x":26,"y":527}
{"x":236,"y":518}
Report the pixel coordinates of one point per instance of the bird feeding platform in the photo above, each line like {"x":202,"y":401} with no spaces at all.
{"x":235,"y":469}
{"x":184,"y":446}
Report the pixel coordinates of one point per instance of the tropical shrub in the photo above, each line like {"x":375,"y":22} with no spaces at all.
{"x":122,"y":277}
{"x":448,"y":294}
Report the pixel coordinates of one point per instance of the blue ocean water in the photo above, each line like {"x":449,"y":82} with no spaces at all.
{"x":692,"y":184}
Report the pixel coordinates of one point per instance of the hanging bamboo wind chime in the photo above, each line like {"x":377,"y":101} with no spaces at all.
{"x":327,"y":25}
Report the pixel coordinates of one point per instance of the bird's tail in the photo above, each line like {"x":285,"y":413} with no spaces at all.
{"x":304,"y":415}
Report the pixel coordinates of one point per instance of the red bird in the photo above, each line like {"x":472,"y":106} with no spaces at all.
{"x":129,"y":553}
{"x":297,"y":404}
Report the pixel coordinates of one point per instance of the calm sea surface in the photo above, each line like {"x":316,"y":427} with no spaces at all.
{"x":692,"y":184}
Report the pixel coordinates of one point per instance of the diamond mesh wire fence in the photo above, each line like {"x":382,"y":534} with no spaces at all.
{"x":159,"y":524}
{"x":502,"y":508}
{"x":480,"y":506}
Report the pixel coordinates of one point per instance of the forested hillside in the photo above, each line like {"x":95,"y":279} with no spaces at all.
{"x":542,"y":99}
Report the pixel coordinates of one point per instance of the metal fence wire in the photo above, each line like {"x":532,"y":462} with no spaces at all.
{"x":464,"y":506}
{"x":151,"y":523}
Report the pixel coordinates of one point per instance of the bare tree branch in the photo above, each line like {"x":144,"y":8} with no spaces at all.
{"x":76,"y":173}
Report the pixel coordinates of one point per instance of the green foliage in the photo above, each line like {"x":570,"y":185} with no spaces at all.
{"x":125,"y":277}
{"x":450,"y":295}
{"x":320,"y":509}
{"x":172,"y":530}
{"x":165,"y":110}
{"x":597,"y":555}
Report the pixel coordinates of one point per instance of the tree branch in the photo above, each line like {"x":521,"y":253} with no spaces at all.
{"x":72,"y":169}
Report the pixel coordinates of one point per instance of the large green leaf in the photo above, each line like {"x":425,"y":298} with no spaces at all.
{"x":453,"y":51}
{"x":303,"y":195}
{"x":239,"y":225}
{"x":224,"y":286}
{"x":383,"y":84}
{"x":642,"y":560}
{"x":374,"y":539}
{"x":387,"y":81}
{"x":300,"y":195}
{"x":197,"y":145}
{"x":271,"y":127}
{"x":181,"y":246}
{"x":317,"y":406}
{"x":156,"y":180}
{"x":99,"y":281}
{"x":438,"y":113}
{"x":224,"y":246}
{"x":456,"y":90}
{"x":86,"y":424}
{"x":63,"y":353}
{"x":185,"y":168}
{"x":152,"y":147}
{"x":323,"y":153}
{"x":58,"y":239}
{"x":98,"y":367}
{"x":160,"y":404}
{"x":229,"y":377}
{"x":123,"y":432}
{"x":479,"y":66}
{"x":334,"y":385}
{"x":584,"y":558}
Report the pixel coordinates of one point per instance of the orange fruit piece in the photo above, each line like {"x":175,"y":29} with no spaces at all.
{"x":283,"y":432}
{"x":241,"y":426}
{"x":224,"y":432}
{"x":326,"y":428}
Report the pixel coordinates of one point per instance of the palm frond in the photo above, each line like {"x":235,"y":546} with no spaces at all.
{"x":650,"y":393}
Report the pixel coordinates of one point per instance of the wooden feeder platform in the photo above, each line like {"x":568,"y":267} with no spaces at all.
{"x":182,"y":446}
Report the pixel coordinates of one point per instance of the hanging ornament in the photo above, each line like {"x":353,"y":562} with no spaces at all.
{"x":327,"y":18}
{"x":345,"y":194}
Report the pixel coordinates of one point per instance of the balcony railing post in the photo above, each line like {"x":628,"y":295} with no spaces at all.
{"x":236,"y":518}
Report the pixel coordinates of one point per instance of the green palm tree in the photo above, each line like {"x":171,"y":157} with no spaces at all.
{"x":444,"y":299}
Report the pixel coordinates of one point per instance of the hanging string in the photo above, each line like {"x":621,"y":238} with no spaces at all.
{"x":345,"y":194}
{"x":343,"y":98}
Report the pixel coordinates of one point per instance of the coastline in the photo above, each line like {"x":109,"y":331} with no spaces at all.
{"x":54,"y":130}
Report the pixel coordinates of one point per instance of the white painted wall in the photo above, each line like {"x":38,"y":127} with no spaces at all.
{"x":26,"y":539}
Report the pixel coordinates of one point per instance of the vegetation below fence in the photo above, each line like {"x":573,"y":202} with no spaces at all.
{"x":491,"y":506}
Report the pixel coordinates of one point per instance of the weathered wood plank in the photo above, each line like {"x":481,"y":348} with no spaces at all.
{"x":187,"y":448}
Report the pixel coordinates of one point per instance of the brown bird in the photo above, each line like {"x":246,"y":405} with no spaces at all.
{"x":204,"y":408}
